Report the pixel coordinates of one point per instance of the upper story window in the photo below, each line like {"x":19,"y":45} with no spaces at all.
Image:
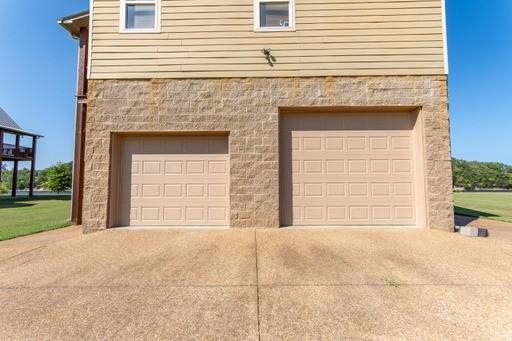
{"x":140,"y":16}
{"x":274,"y":15}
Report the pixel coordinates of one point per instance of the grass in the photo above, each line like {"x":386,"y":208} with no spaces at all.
{"x":391,"y":283}
{"x":23,"y":216}
{"x":496,"y":206}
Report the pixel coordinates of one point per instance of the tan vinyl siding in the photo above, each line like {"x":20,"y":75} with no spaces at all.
{"x":207,"y":38}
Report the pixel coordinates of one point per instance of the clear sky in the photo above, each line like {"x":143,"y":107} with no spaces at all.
{"x":38,"y":64}
{"x":480,"y":82}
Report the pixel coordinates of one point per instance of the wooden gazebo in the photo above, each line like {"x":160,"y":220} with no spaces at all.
{"x":16,"y":152}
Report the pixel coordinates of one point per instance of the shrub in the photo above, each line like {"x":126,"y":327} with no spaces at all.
{"x":58,"y":178}
{"x":3,"y":189}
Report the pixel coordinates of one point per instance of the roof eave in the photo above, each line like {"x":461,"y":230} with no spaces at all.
{"x":70,"y":31}
{"x":69,"y":23}
{"x":20,"y":131}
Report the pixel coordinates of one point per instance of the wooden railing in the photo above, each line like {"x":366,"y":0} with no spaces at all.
{"x":11,"y":151}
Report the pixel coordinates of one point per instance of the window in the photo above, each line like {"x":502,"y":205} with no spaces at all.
{"x":140,"y":16}
{"x":274,"y":15}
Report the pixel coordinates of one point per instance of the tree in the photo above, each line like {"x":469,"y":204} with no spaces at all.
{"x":40,"y":178}
{"x":23,"y":178}
{"x":6,"y":178}
{"x":481,"y":175}
{"x":58,"y":177}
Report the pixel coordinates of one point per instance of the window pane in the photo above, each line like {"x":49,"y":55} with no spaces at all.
{"x":140,"y":16}
{"x":274,"y":14}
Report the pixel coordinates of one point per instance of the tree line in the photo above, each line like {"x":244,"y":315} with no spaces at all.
{"x":472,"y":175}
{"x":56,"y":178}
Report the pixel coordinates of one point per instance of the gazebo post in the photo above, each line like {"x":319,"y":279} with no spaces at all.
{"x":32,"y":167}
{"x":1,"y":151}
{"x":15,"y":170}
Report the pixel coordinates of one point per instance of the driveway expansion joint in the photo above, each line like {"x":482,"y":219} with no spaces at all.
{"x":123,"y":287}
{"x":383,"y":285}
{"x":192,"y":286}
{"x":257,"y":282}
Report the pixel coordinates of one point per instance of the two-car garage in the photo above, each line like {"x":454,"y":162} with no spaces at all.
{"x":335,"y":169}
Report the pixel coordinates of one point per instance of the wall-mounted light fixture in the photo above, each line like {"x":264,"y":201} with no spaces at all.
{"x":267,"y":52}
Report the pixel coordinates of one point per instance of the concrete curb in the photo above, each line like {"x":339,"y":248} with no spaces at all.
{"x":470,"y":231}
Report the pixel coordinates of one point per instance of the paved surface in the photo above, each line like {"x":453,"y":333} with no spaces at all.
{"x":263,"y":284}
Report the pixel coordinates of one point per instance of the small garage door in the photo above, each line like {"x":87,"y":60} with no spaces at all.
{"x":348,"y":169}
{"x":174,"y":181}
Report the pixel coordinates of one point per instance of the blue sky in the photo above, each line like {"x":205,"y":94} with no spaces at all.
{"x":38,"y":63}
{"x":480,"y":55}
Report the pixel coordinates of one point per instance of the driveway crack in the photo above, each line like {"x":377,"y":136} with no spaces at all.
{"x":257,"y":282}
{"x":22,"y":253}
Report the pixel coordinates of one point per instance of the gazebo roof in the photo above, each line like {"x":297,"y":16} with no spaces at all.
{"x":8,"y":124}
{"x":6,"y":121}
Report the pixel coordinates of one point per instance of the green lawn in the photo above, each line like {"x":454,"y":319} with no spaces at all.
{"x":23,"y":215}
{"x":496,"y":206}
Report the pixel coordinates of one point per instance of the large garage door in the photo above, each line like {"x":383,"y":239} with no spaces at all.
{"x":174,"y":181}
{"x":348,"y":169}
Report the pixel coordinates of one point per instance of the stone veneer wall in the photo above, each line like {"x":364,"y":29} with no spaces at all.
{"x":248,"y":108}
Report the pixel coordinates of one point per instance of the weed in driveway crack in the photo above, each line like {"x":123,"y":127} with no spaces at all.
{"x":390,"y":282}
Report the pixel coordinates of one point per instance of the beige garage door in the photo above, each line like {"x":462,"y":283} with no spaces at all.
{"x":174,"y":181}
{"x":348,"y":169}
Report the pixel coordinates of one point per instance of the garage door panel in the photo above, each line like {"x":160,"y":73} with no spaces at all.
{"x":330,"y":164}
{"x":351,"y":142}
{"x":375,"y":178}
{"x":349,"y":200}
{"x":347,"y":169}
{"x":360,"y":154}
{"x":354,"y":214}
{"x":150,"y":214}
{"x":178,"y":181}
{"x":177,"y":145}
{"x":350,"y":121}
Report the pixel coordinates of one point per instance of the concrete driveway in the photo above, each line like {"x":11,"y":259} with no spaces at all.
{"x":249,"y":285}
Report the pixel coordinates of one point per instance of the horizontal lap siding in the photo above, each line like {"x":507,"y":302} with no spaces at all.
{"x":206,"y":38}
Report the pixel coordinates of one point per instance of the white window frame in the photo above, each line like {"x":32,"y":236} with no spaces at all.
{"x":122,"y":16}
{"x":291,"y":11}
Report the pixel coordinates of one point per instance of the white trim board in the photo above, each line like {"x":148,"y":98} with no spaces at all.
{"x":256,"y":17}
{"x":445,"y":37}
{"x":122,"y":16}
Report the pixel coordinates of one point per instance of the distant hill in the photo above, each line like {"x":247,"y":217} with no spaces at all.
{"x":472,"y":175}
